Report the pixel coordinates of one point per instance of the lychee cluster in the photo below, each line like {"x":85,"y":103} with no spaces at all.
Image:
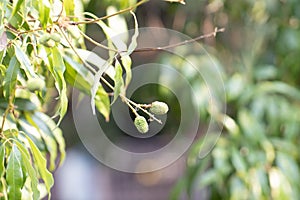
{"x":156,"y":108}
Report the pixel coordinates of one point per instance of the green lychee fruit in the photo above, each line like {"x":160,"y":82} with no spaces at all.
{"x":141,"y":124}
{"x":35,"y":84}
{"x":159,"y":108}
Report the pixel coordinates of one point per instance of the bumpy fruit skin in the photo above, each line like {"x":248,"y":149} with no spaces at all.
{"x":141,"y":124}
{"x":159,"y":108}
{"x":35,"y":84}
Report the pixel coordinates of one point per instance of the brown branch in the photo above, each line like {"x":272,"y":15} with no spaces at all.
{"x":91,"y":21}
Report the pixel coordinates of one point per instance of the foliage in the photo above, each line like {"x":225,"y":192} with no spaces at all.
{"x":257,"y":155}
{"x":42,"y":52}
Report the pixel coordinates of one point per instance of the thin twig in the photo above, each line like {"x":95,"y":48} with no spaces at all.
{"x":108,"y":16}
{"x":77,"y":54}
{"x":213,"y":34}
{"x":142,"y":109}
{"x":96,"y":43}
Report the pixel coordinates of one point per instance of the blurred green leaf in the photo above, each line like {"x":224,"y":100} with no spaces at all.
{"x":290,"y":167}
{"x":252,"y":129}
{"x":16,"y":7}
{"x":238,"y":190}
{"x":69,"y":7}
{"x":14,"y":175}
{"x":56,"y":132}
{"x":209,"y":177}
{"x":44,"y":12}
{"x":20,"y":104}
{"x":2,"y":160}
{"x":24,"y":60}
{"x":237,"y":161}
{"x":10,"y":79}
{"x":265,"y":72}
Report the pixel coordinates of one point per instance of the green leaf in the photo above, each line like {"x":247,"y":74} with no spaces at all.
{"x":14,"y":175}
{"x":41,"y":165}
{"x":102,"y":102}
{"x":30,"y":170}
{"x":111,"y":35}
{"x":69,"y":7}
{"x":10,"y":79}
{"x":133,"y":44}
{"x":20,"y":104}
{"x":24,"y":61}
{"x":16,"y":7}
{"x":119,"y":83}
{"x":238,"y":190}
{"x":56,"y":131}
{"x":57,"y":69}
{"x":102,"y":66}
{"x":96,"y":84}
{"x":2,"y":159}
{"x":252,"y":129}
{"x":44,"y":12}
{"x":209,"y":177}
{"x":47,"y":136}
{"x":126,"y":61}
{"x":289,"y":166}
{"x":80,"y":78}
{"x":237,"y":161}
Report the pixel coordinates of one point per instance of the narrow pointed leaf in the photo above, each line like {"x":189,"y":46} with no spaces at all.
{"x":14,"y":175}
{"x":10,"y":79}
{"x":30,"y":170}
{"x":133,"y":44}
{"x":69,"y":7}
{"x":41,"y":165}
{"x":57,"y":68}
{"x":24,"y":61}
{"x":126,"y":61}
{"x":119,"y":83}
{"x":57,"y":133}
{"x":2,"y":159}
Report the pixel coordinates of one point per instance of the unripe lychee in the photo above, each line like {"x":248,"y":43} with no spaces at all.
{"x":141,"y":124}
{"x":35,"y":84}
{"x":159,"y":108}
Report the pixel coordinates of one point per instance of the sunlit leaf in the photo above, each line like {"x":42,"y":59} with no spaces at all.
{"x":69,"y":7}
{"x":126,"y":61}
{"x":119,"y":83}
{"x":24,"y":61}
{"x":57,"y":68}
{"x":16,"y":7}
{"x":44,"y":12}
{"x":41,"y":165}
{"x":26,"y":159}
{"x":80,"y":78}
{"x":47,"y":136}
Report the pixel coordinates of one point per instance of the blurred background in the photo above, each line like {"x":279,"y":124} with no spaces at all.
{"x":257,"y":155}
